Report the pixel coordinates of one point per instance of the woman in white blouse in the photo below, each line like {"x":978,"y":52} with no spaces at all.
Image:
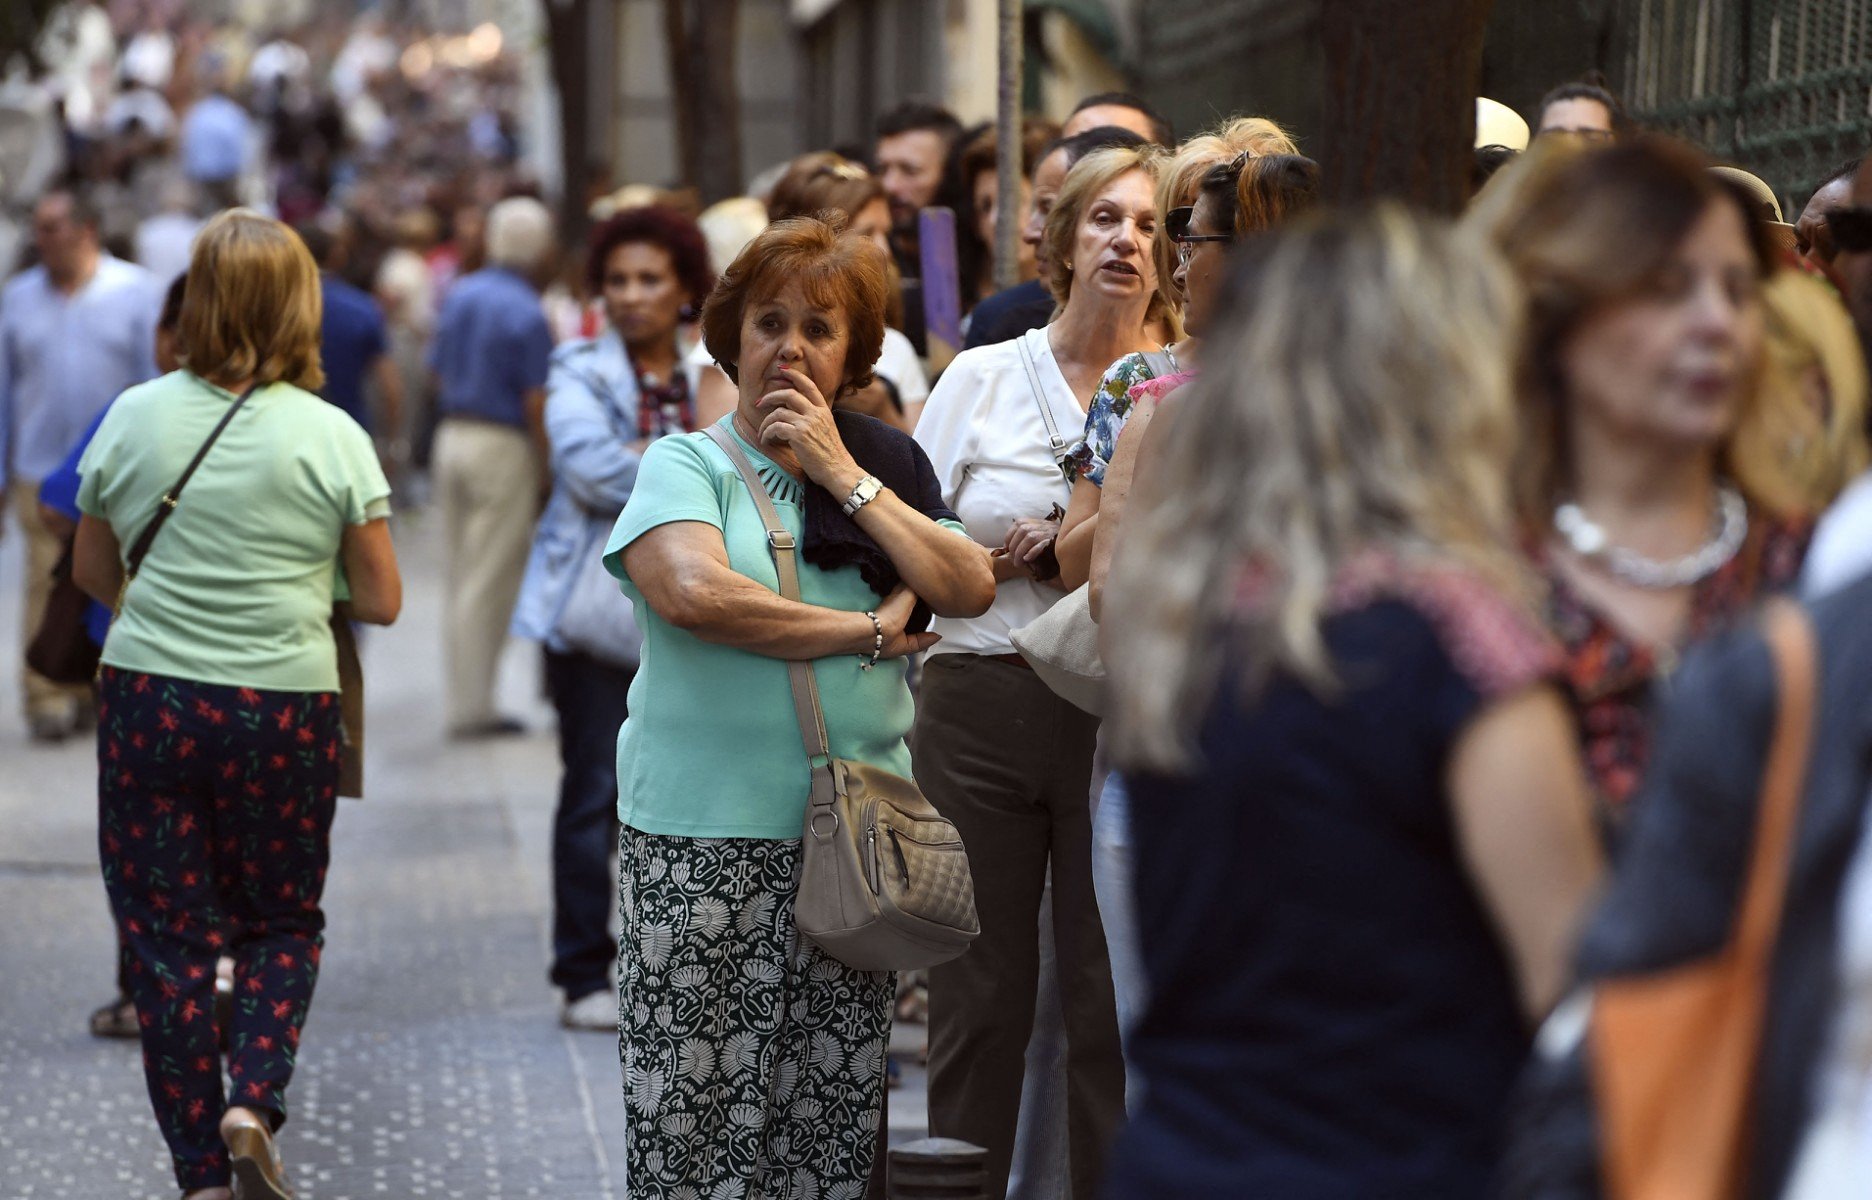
{"x":1002,"y":756}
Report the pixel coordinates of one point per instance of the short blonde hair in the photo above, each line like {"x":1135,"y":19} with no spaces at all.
{"x":252,"y":305}
{"x":1090,"y":177}
{"x":1253,"y":137}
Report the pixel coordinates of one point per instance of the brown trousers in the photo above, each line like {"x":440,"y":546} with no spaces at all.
{"x":1011,"y":763}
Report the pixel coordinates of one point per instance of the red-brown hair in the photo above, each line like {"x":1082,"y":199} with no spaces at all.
{"x":839,"y":271}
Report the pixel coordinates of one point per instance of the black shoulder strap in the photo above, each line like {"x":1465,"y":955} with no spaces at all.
{"x":140,"y":550}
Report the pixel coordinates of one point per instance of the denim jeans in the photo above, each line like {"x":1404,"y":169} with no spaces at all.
{"x":590,"y":697}
{"x":1111,"y":877}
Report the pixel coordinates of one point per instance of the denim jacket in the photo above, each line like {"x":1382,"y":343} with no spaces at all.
{"x":591,"y":423}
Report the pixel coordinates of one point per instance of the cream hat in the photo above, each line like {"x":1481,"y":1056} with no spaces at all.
{"x":1755,"y":187}
{"x":1498,"y":125}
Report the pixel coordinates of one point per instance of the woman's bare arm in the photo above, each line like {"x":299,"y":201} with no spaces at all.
{"x":370,"y":567}
{"x":682,"y":570}
{"x":1523,"y":819}
{"x":1137,"y":446}
{"x":97,"y":560}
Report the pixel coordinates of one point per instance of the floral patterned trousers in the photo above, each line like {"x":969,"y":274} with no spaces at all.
{"x":215,"y":809}
{"x":753,"y":1061}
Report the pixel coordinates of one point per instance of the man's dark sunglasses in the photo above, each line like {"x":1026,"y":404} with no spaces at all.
{"x":1177,"y":223}
{"x":1851,"y":229}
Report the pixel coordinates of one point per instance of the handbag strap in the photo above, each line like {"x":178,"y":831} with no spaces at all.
{"x":1039,"y":394}
{"x":786,"y":564}
{"x":1790,"y":638}
{"x":139,"y":550}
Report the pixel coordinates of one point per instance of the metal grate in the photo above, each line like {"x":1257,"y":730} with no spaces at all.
{"x":1780,"y":87}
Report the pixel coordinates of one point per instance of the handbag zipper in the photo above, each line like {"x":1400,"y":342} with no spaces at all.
{"x":903,"y":864}
{"x":871,"y":857}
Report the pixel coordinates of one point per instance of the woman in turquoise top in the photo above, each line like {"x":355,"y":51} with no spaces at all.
{"x":218,"y":731}
{"x":754,"y":1062}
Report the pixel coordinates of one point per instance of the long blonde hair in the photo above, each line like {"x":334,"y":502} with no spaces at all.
{"x":1356,"y":397}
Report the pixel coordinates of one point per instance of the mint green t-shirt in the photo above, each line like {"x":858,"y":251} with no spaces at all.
{"x":711,"y":747}
{"x":237,"y":587}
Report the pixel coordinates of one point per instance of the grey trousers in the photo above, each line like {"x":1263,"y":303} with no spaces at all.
{"x":1010,"y":763}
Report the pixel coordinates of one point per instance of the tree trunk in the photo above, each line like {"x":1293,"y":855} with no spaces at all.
{"x":702,"y":38}
{"x":1399,"y":114}
{"x":568,"y":29}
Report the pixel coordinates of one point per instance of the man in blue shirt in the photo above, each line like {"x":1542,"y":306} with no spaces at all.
{"x":490,"y":357}
{"x":74,"y":331}
{"x":354,"y":342}
{"x":217,"y":137}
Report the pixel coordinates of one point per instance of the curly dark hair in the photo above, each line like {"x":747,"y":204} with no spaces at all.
{"x":659,"y":226}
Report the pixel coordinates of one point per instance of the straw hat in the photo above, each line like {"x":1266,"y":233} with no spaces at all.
{"x":1765,"y":197}
{"x":1498,"y":125}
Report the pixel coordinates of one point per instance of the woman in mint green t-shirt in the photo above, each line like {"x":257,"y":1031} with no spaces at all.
{"x":754,"y":1062}
{"x":218,"y":730}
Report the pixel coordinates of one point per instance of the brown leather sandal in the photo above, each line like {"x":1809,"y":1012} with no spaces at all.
{"x":258,"y":1174}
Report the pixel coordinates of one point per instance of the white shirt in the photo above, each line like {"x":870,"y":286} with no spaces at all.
{"x":163,"y":243}
{"x":1841,"y":550}
{"x":984,"y":434}
{"x":1835,"y":1159}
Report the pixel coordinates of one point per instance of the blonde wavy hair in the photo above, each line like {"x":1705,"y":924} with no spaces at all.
{"x":1252,"y":137}
{"x":1357,"y":396}
{"x":252,"y":306}
{"x":1813,"y":409}
{"x":1089,"y":178}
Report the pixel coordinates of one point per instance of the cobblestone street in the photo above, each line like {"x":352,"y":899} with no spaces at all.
{"x":433,"y":1064}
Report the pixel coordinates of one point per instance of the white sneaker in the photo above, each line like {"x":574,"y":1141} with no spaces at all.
{"x":596,"y":1013}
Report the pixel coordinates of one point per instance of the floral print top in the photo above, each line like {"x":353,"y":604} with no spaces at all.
{"x":1610,"y":679}
{"x":1106,"y":417}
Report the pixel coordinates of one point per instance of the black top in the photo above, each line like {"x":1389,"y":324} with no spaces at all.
{"x":1008,"y":314}
{"x":1331,"y":1014}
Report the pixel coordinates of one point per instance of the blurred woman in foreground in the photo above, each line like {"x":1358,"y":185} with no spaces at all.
{"x":1368,"y":837}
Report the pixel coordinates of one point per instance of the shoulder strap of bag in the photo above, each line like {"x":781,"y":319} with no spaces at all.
{"x":1039,"y":394}
{"x":1160,"y":362}
{"x":786,"y":564}
{"x":1790,"y":639}
{"x":140,"y":549}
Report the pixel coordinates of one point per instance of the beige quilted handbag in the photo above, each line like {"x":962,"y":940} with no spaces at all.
{"x":884,"y":879}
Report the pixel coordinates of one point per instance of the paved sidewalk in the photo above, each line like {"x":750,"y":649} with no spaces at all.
{"x":433,"y":1064}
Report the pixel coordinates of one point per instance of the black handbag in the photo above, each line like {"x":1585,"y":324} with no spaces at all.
{"x":61,"y":648}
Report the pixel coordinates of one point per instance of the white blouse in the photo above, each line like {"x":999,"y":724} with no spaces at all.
{"x":984,"y":434}
{"x":1836,"y":1153}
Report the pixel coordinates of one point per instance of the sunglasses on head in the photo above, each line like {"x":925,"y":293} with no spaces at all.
{"x":1177,"y":223}
{"x":1851,"y":229}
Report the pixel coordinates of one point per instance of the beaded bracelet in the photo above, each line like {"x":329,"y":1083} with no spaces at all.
{"x":877,"y":649}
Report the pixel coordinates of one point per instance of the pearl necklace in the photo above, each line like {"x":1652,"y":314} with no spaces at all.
{"x":1589,"y":541}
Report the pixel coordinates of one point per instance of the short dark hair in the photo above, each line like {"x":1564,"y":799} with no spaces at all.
{"x":171,"y":313}
{"x":1161,"y":132}
{"x":1101,"y":137}
{"x":83,"y":210}
{"x":1488,"y":160}
{"x":1845,"y":170}
{"x":1585,"y":90}
{"x":914,"y":115}
{"x":660,"y":226}
{"x":319,"y":240}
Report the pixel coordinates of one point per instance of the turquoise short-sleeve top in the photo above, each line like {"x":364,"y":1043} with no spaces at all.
{"x":712,"y":747}
{"x":238,"y":587}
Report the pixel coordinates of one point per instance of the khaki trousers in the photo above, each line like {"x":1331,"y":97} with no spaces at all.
{"x":1011,"y":763}
{"x":42,"y":697}
{"x":487,"y":486}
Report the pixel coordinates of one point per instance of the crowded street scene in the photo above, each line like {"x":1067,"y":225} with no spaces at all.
{"x":875,"y":600}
